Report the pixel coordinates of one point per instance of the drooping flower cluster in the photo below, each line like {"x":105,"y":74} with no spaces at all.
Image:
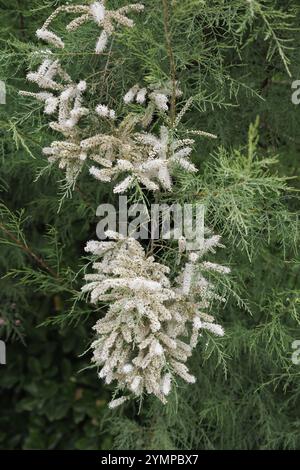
{"x":120,"y":154}
{"x":64,"y":97}
{"x":132,"y":155}
{"x":168,"y":152}
{"x":151,"y":326}
{"x":139,"y":342}
{"x":136,"y":156}
{"x":195,"y":291}
{"x":98,"y":12}
{"x":132,"y":346}
{"x":126,"y":154}
{"x":139,"y":156}
{"x":155,"y":97}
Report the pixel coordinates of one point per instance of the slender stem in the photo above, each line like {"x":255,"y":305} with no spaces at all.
{"x":22,"y":22}
{"x":67,"y":9}
{"x":28,"y":251}
{"x":84,"y":197}
{"x":166,"y":13}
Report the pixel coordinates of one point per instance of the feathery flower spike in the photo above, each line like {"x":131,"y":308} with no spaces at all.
{"x":97,"y":12}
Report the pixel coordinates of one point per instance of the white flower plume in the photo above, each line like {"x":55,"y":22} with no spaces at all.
{"x":63,"y":97}
{"x":97,"y":11}
{"x":138,"y":342}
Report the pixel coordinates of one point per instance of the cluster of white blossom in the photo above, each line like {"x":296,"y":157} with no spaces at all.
{"x":131,"y":155}
{"x":151,"y":326}
{"x":137,"y":156}
{"x":139,"y":341}
{"x":155,"y":96}
{"x":132,"y":346}
{"x":98,"y":12}
{"x":64,"y":97}
{"x":125,"y":153}
{"x":196,"y":291}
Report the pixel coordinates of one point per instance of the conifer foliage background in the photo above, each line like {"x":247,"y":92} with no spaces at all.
{"x":238,"y":60}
